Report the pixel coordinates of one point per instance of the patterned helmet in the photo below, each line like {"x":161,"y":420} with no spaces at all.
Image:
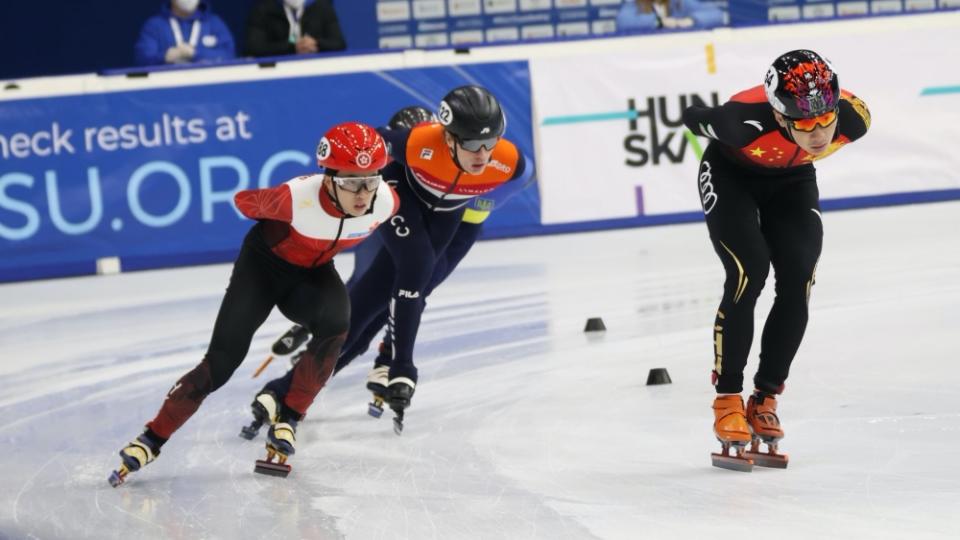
{"x":471,"y":113}
{"x":352,"y":147}
{"x":802,"y":84}
{"x":408,"y":117}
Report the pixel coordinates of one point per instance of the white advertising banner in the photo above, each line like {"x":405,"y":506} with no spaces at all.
{"x":611,"y":145}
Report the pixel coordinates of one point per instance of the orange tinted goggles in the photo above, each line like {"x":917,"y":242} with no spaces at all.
{"x":810,"y":124}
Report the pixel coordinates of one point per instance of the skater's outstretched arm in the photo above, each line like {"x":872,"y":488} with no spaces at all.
{"x":268,"y":203}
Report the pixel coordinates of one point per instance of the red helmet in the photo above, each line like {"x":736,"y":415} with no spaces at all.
{"x":352,"y":147}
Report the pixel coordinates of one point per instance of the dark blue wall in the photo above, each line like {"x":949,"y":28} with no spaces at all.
{"x":56,"y":37}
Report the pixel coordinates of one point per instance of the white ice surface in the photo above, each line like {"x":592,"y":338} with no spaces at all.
{"x":522,"y":426}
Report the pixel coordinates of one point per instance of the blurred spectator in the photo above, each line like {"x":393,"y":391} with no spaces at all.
{"x":641,"y":15}
{"x":184,"y":31}
{"x":280,"y":27}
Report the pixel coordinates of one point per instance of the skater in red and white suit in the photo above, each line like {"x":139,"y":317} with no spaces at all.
{"x":286,"y":261}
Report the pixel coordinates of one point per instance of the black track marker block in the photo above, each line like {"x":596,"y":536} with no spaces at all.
{"x":658,"y":376}
{"x":595,"y":324}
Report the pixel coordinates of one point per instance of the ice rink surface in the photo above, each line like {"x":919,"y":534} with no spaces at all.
{"x":522,"y":426}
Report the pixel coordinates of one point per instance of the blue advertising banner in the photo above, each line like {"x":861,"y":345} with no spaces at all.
{"x":149,"y":176}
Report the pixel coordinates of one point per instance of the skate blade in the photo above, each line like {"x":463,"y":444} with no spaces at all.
{"x":118,"y":477}
{"x":249,"y":432}
{"x":771,"y":461}
{"x":397,"y":420}
{"x":732,"y":463}
{"x":375,"y":407}
{"x":271,"y":468}
{"x":263,"y":366}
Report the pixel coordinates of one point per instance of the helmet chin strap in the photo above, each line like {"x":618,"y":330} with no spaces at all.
{"x":335,"y":196}
{"x":788,"y":128}
{"x":453,"y":154}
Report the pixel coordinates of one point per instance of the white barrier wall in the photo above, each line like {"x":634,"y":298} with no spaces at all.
{"x":610,"y":119}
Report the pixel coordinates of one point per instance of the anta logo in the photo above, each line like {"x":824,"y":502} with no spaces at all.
{"x":484,"y":131}
{"x":502,"y":167}
{"x":656,"y":128}
{"x":288,"y":341}
{"x":427,"y":154}
{"x":408,"y":294}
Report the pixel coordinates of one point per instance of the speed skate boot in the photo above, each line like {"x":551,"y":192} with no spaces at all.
{"x":264,"y":408}
{"x":765,"y":426}
{"x":731,"y":429}
{"x":286,"y":345}
{"x":398,"y":396}
{"x":377,"y":384}
{"x":291,"y":340}
{"x":134,"y":456}
{"x":281,"y":440}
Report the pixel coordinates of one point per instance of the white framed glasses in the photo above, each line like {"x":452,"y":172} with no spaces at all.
{"x":354,"y":184}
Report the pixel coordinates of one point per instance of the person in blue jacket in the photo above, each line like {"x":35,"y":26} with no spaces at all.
{"x":647,"y":15}
{"x":185,"y":31}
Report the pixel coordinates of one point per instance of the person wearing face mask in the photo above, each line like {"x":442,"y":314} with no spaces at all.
{"x":286,"y":261}
{"x":185,"y":31}
{"x":285,"y":27}
{"x":758,"y":189}
{"x":440,"y":168}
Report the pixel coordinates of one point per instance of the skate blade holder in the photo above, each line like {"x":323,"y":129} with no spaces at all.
{"x":270,"y":467}
{"x":398,"y":418}
{"x":770,"y":459}
{"x":251,"y":431}
{"x":119,"y":476}
{"x":736,"y":462}
{"x":375,"y":407}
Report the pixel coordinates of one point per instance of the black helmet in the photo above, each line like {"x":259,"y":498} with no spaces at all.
{"x":472,"y":113}
{"x":408,"y":117}
{"x":801,"y":84}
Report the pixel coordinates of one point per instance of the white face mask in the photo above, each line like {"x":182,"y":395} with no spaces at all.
{"x":186,"y":5}
{"x":293,"y":4}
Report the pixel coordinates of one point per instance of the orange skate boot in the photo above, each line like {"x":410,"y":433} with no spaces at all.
{"x":765,"y":425}
{"x":733,"y":432}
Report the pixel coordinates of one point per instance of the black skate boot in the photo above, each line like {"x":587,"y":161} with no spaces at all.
{"x":291,"y":340}
{"x":264,"y":408}
{"x":140,"y":452}
{"x":281,"y":441}
{"x":398,"y":396}
{"x":286,"y":345}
